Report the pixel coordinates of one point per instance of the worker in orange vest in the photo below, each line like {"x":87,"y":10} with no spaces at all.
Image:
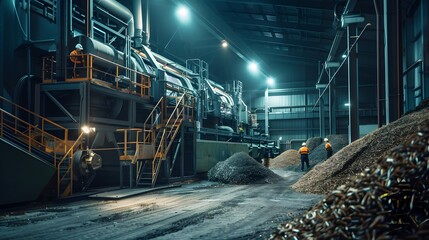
{"x":77,"y":58}
{"x":328,"y":148}
{"x":304,"y":151}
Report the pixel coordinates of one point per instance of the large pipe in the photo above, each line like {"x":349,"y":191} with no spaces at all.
{"x":138,"y":19}
{"x":120,"y":11}
{"x":109,"y":53}
{"x":147,"y":24}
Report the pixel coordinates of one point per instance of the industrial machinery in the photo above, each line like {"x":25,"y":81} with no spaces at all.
{"x":147,"y":110}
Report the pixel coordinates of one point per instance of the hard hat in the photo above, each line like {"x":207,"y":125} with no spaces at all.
{"x":303,"y":144}
{"x":326,"y":139}
{"x":79,"y":46}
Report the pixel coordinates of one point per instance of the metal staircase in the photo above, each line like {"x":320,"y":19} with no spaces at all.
{"x":150,"y":146}
{"x":37,"y":139}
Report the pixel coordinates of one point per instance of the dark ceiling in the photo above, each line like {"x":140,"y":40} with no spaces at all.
{"x":290,"y":39}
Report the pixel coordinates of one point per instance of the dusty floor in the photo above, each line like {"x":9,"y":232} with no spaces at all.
{"x":201,"y":210}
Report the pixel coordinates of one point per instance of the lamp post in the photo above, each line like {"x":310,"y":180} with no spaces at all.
{"x":270,"y":81}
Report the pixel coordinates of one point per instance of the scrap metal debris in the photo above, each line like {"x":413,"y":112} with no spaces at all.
{"x":387,"y":201}
{"x":240,"y":168}
{"x":360,"y":154}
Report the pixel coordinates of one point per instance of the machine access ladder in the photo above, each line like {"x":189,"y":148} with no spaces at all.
{"x":147,"y":148}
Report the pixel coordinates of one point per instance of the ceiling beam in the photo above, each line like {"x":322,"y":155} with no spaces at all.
{"x":285,"y":55}
{"x":302,"y":44}
{"x":218,"y":28}
{"x":309,"y":4}
{"x":281,"y":26}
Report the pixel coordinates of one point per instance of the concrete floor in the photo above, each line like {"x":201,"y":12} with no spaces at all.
{"x":200,"y":210}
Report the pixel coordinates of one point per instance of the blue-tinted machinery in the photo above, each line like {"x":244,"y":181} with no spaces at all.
{"x":121,"y":88}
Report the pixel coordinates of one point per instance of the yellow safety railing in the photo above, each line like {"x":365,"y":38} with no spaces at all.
{"x":65,"y":173}
{"x":169,"y":132}
{"x":34,"y":134}
{"x":102,"y":72}
{"x":130,"y":143}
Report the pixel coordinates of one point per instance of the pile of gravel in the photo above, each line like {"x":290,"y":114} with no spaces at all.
{"x":314,"y":142}
{"x":360,"y":154}
{"x":287,"y":158}
{"x":318,"y":154}
{"x":387,"y":201}
{"x":240,"y":168}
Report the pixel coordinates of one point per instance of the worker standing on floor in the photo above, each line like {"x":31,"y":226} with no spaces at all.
{"x":304,"y":151}
{"x":328,"y":148}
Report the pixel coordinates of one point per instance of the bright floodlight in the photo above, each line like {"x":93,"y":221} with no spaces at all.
{"x":224,"y":44}
{"x":183,"y":14}
{"x":253,"y":67}
{"x":344,"y":55}
{"x":87,"y":129}
{"x":270,"y":81}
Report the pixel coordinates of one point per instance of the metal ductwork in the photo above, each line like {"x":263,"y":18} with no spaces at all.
{"x":147,"y":24}
{"x":138,"y":17}
{"x":92,"y":46}
{"x":119,"y":11}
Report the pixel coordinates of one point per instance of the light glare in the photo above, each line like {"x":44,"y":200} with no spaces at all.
{"x":183,"y":14}
{"x":253,"y":67}
{"x":270,"y":81}
{"x":87,"y":129}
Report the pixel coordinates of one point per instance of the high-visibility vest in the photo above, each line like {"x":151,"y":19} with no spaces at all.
{"x":304,"y":150}
{"x":76,"y":57}
{"x":328,"y":147}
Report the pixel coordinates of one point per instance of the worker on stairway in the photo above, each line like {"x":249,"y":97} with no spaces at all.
{"x":328,"y":148}
{"x":78,"y":60}
{"x":304,"y":151}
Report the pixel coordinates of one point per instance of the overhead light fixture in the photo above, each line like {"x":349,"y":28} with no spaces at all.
{"x":344,"y":55}
{"x":347,"y":104}
{"x":351,"y":19}
{"x":224,"y":44}
{"x":321,"y":86}
{"x":270,"y":81}
{"x":253,"y":67}
{"x":329,"y":64}
{"x":183,"y":14}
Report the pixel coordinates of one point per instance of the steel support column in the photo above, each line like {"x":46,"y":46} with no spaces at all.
{"x":85,"y":106}
{"x":89,"y":16}
{"x":352,"y":88}
{"x":266,"y":112}
{"x":332,"y":108}
{"x":393,"y":61}
{"x":322,"y":115}
{"x":425,"y":29}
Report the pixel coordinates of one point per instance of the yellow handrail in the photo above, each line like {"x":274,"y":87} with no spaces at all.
{"x":27,"y":133}
{"x":69,"y":155}
{"x":142,"y":80}
{"x":41,"y":118}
